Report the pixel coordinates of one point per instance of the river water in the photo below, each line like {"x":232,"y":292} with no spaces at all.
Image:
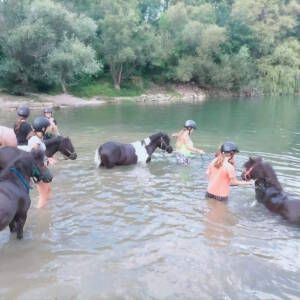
{"x":146,"y":231}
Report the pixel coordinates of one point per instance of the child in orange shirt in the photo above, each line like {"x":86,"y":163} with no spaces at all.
{"x":221,"y":173}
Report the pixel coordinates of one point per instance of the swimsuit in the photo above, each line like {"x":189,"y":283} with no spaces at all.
{"x":183,"y":154}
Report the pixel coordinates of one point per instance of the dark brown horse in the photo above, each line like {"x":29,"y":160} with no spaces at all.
{"x":15,"y":187}
{"x":269,"y":192}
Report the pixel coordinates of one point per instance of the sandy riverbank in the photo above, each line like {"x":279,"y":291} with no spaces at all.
{"x":179,"y":93}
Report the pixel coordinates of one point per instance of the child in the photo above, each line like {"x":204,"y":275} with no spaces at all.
{"x":221,"y":173}
{"x":22,"y":128}
{"x":184,"y":144}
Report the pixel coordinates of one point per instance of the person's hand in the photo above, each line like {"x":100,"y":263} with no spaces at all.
{"x":250,"y":182}
{"x":201,"y":151}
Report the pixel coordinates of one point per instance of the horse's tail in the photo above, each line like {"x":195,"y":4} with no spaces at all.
{"x":97,"y":158}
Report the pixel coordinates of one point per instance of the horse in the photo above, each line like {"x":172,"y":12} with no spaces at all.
{"x":269,"y":191}
{"x":61,"y":144}
{"x":15,"y":187}
{"x":112,"y":154}
{"x":7,"y":137}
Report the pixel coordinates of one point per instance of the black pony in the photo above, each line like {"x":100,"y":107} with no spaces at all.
{"x":113,"y":154}
{"x":269,"y":191}
{"x":15,"y":186}
{"x":61,"y":144}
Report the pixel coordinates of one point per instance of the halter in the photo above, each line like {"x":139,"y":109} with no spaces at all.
{"x":248,"y":173}
{"x":36,"y":174}
{"x":68,"y":152}
{"x":21,"y":177}
{"x":162,"y":142}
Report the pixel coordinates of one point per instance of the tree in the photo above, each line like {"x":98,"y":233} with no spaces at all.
{"x":30,"y":42}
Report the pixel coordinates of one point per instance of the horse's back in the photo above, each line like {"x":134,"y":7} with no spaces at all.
{"x":8,"y":154}
{"x":7,"y":137}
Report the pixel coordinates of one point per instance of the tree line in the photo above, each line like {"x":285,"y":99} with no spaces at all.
{"x":217,"y":44}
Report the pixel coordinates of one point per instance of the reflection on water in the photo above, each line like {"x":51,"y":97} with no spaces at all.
{"x":147,"y":231}
{"x":218,"y":223}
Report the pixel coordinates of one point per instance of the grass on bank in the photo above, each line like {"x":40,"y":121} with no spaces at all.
{"x":105,"y":88}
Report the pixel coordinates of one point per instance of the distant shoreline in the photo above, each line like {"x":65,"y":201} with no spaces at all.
{"x":180,"y":93}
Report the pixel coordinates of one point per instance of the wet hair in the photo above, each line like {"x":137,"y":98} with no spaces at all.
{"x":221,"y":157}
{"x":19,"y":123}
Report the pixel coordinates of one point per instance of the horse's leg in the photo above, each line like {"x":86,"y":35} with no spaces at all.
{"x":20,"y":225}
{"x":44,"y":190}
{"x":13,"y":226}
{"x":105,"y":161}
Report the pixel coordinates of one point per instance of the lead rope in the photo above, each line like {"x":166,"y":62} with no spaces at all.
{"x":21,"y":177}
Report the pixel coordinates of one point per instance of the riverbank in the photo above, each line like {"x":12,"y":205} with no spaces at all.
{"x":156,"y":94}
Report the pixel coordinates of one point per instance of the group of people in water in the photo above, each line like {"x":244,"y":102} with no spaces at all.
{"x":31,"y":136}
{"x":221,"y":171}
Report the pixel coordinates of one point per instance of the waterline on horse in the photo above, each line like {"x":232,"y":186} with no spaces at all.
{"x":112,"y":154}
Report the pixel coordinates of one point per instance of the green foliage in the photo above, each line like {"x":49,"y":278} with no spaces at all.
{"x":228,"y":44}
{"x":105,"y":88}
{"x":35,"y":48}
{"x":280,"y":71}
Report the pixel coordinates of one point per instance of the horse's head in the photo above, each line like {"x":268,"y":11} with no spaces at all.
{"x":38,"y":170}
{"x":31,"y":165}
{"x":67,"y":149}
{"x":164,"y":143}
{"x":253,"y":169}
{"x":261,"y":172}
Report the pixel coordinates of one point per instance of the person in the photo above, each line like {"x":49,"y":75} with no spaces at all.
{"x":184,"y":144}
{"x":52,"y":129}
{"x":22,"y":128}
{"x":40,"y":125}
{"x":221,"y":173}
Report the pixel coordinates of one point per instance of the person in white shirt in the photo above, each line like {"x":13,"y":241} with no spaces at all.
{"x":39,"y":126}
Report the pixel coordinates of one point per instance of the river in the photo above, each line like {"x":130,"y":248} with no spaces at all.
{"x":146,"y":231}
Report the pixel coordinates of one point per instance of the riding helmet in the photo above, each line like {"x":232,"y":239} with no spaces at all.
{"x":40,"y":124}
{"x":23,"y":111}
{"x":48,"y":110}
{"x":190,"y":124}
{"x":229,"y":147}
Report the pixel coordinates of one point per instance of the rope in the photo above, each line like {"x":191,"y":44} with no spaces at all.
{"x":21,"y":177}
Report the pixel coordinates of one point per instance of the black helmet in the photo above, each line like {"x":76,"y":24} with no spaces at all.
{"x":229,"y":147}
{"x":190,"y":124}
{"x":23,"y":111}
{"x":40,"y":124}
{"x":48,"y":110}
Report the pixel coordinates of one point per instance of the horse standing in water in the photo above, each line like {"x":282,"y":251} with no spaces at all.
{"x":60,"y":144}
{"x":56,"y":144}
{"x":15,"y":187}
{"x":269,"y":192}
{"x":113,"y":154}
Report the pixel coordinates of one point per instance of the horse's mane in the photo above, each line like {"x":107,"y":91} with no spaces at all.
{"x":155,"y":136}
{"x":54,"y":140}
{"x":269,"y":175}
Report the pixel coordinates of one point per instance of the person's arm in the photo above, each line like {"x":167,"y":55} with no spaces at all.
{"x":191,"y":148}
{"x":234,"y":180}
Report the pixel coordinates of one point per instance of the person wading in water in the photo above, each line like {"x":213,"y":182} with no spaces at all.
{"x":40,"y":125}
{"x":52,"y":129}
{"x":184,"y":144}
{"x":221,"y":173}
{"x":22,"y":128}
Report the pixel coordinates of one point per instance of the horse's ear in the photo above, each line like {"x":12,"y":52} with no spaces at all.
{"x":37,"y":154}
